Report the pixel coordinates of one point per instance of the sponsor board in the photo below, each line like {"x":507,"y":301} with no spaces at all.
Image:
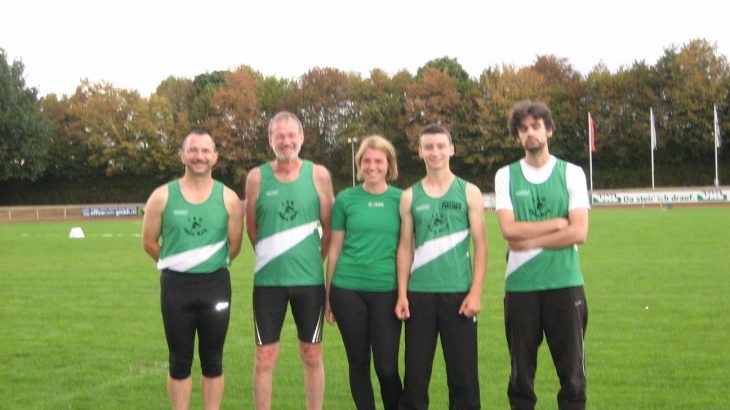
{"x":698,"y":196}
{"x":112,"y":211}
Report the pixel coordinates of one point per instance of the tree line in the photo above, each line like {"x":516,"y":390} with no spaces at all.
{"x":106,"y":144}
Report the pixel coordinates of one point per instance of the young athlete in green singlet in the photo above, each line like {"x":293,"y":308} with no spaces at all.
{"x":439,"y":287}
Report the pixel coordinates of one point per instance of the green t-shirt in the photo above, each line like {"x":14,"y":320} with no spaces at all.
{"x":288,"y":242}
{"x":194,"y":236}
{"x":541,"y":269}
{"x":372,"y":228}
{"x":442,"y":262}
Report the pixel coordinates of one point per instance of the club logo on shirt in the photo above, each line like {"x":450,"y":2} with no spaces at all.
{"x":180,"y":212}
{"x":541,"y":210}
{"x":372,"y":204}
{"x":424,"y":207}
{"x":451,"y":206}
{"x":288,"y":211}
{"x":271,"y":193}
{"x":439,"y":224}
{"x":523,"y":192}
{"x":196,"y":227}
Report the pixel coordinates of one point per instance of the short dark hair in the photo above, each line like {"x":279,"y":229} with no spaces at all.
{"x":525,"y":108}
{"x":197,"y":131}
{"x":434,"y":128}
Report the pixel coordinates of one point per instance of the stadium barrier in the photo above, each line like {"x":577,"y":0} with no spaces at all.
{"x":665,"y":197}
{"x":68,"y":212}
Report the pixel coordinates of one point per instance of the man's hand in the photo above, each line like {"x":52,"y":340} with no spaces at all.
{"x":471,"y":305}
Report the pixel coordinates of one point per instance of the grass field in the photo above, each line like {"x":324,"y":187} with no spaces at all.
{"x":81,"y":327}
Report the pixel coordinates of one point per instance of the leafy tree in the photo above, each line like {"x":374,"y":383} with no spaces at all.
{"x":431,"y":99}
{"x":236,"y":124}
{"x":24,"y":131}
{"x":119,"y":129}
{"x":204,"y":86}
{"x":325,"y":104}
{"x":379,"y":102}
{"x":68,"y":148}
{"x":452,"y":68}
{"x":692,"y":79}
{"x":567,"y":99}
{"x":274,"y":95}
{"x":501,"y":88}
{"x":620,"y":105}
{"x":180,"y":92}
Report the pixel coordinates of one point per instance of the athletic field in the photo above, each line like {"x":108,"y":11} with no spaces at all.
{"x":81,"y":328}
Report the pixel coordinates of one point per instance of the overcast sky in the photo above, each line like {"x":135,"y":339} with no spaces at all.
{"x":136,"y":44}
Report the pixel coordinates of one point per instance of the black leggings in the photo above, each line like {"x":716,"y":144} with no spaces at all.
{"x":190,"y":303}
{"x":367,"y":321}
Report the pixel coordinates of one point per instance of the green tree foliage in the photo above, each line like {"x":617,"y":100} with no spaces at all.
{"x":432,"y":98}
{"x":452,"y":68}
{"x":24,"y":130}
{"x":103,"y":133}
{"x":379,"y":107}
{"x":500,"y":88}
{"x":69,"y":150}
{"x":568,"y":104}
{"x":692,"y":79}
{"x":325,"y":105}
{"x":204,"y":86}
{"x":235,"y":121}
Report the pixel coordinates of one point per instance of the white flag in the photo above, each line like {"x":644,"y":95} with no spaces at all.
{"x":717,"y":130}
{"x":653,"y":129}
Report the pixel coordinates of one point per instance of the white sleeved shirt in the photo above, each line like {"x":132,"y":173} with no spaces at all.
{"x":574,"y":175}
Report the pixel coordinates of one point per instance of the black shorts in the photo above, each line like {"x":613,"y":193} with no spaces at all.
{"x":195,"y":303}
{"x":269,"y":309}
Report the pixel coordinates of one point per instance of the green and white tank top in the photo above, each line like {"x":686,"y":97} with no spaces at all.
{"x":442,"y":262}
{"x":194,"y":236}
{"x":371,"y":224}
{"x":541,"y":269}
{"x":288,"y":242}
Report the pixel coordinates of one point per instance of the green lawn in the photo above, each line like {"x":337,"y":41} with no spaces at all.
{"x":81,"y":326}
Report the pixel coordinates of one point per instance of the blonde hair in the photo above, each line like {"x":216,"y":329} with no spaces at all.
{"x":383,"y":145}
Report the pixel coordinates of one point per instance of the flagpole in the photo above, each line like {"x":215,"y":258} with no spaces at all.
{"x":717,"y":179}
{"x":653,"y":144}
{"x":652,"y":168}
{"x":716,"y":132}
{"x":590,"y":150}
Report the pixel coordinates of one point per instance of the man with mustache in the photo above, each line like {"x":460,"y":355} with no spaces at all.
{"x":200,"y":222}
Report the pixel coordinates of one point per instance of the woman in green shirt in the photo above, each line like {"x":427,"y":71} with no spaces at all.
{"x":361,"y":274}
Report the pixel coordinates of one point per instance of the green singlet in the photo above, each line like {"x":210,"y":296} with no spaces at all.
{"x":288,"y":242}
{"x":194,"y":236}
{"x":544,"y":268}
{"x":442,"y":262}
{"x":372,"y":228}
